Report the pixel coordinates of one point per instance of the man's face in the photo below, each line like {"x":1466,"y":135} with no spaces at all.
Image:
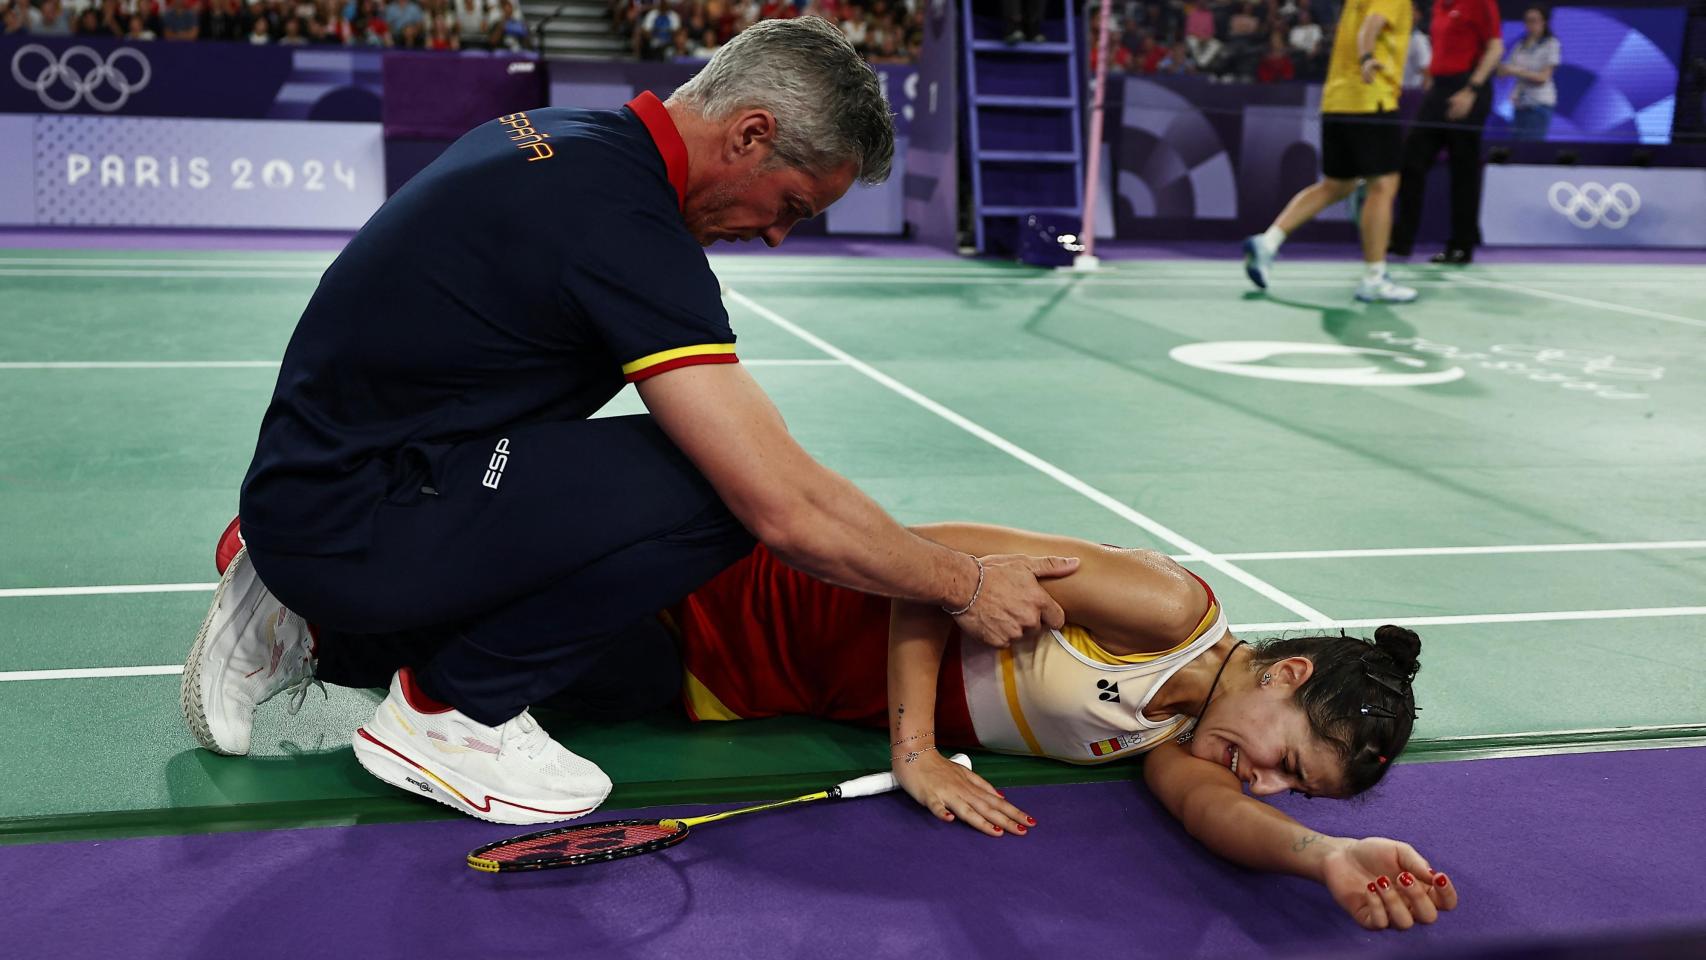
{"x":765,"y":199}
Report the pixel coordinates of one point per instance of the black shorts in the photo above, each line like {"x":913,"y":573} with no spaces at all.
{"x":1357,"y":145}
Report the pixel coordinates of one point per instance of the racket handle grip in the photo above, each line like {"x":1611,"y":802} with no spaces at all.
{"x":876,"y":783}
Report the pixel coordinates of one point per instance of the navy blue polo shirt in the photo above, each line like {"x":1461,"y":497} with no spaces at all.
{"x":523,"y":277}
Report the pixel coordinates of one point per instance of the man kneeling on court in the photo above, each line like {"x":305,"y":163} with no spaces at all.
{"x":427,"y":490}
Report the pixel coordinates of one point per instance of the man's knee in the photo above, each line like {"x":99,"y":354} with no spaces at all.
{"x":1385,"y":185}
{"x":637,"y":671}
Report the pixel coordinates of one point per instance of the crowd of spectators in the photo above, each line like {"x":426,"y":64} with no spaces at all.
{"x":1265,"y":41}
{"x":405,"y":24}
{"x":883,"y":31}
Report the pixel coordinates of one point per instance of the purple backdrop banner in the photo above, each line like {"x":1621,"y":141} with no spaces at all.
{"x":434,"y":96}
{"x":88,"y":75}
{"x":930,"y":174}
{"x":161,"y":172}
{"x":1594,"y":206}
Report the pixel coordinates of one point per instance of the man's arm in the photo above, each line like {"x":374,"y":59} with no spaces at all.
{"x":821,"y":524}
{"x":1367,"y":35}
{"x":1366,"y":877}
{"x":1489,"y":62}
{"x":1463,"y":100}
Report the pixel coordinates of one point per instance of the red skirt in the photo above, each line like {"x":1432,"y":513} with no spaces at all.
{"x":765,"y":640}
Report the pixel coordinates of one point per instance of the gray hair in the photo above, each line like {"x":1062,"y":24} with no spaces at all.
{"x":828,"y":104}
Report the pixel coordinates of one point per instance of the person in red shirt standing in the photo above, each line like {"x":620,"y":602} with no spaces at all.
{"x":1466,"y":51}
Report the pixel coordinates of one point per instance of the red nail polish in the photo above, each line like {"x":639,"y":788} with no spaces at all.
{"x":998,"y":830}
{"x":1406,"y":879}
{"x":1019,"y":830}
{"x":1439,"y":880}
{"x":1373,"y":889}
{"x":1384,"y":883}
{"x":1031,"y":820}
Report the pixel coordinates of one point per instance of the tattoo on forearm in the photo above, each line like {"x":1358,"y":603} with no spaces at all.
{"x":1302,"y":843}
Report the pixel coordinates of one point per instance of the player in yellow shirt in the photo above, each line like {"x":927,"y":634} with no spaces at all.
{"x":1360,"y":140}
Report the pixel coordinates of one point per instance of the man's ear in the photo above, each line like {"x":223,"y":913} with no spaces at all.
{"x":753,"y":131}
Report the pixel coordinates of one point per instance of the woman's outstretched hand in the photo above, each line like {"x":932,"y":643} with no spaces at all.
{"x":951,"y":792}
{"x":1385,"y":883}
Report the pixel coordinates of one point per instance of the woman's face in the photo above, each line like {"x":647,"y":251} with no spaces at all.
{"x":1535,"y":21}
{"x":1259,"y":733}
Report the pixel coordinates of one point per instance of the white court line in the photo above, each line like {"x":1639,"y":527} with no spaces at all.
{"x":1634,"y":545}
{"x":244,"y":364}
{"x":92,"y":673}
{"x":1154,"y":527}
{"x":1548,"y":616}
{"x":1580,"y":301}
{"x":136,"y":364}
{"x":169,"y":274}
{"x":221,"y":263}
{"x":99,"y":591}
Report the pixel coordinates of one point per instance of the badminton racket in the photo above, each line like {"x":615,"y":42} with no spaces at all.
{"x":615,"y":839}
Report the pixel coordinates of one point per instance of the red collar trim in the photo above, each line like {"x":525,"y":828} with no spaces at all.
{"x":670,"y":146}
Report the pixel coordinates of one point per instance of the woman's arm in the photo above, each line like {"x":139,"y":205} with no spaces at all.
{"x":1379,"y":882}
{"x":917,"y":636}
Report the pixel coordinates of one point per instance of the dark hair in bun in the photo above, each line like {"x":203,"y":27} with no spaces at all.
{"x":1358,"y":698}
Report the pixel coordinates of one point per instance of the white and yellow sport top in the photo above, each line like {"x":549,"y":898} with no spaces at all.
{"x":1066,"y":698}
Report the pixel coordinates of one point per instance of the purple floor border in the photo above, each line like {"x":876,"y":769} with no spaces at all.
{"x":273,"y":241}
{"x":1560,"y":850}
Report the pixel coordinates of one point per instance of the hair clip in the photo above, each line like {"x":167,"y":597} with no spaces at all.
{"x":1382,"y":758}
{"x":1379,"y":713}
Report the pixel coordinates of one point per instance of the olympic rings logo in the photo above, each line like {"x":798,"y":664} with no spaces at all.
{"x":1592,"y":204}
{"x":82,"y":74}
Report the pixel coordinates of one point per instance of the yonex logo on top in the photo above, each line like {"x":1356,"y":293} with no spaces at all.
{"x":81,"y":75}
{"x":1595,"y":204}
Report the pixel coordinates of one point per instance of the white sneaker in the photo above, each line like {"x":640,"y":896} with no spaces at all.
{"x":250,"y":649}
{"x":1258,"y":260}
{"x":1383,"y":290}
{"x":512,"y":773}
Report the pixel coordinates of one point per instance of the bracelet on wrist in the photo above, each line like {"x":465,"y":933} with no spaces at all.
{"x":910,"y":755}
{"x":916,"y":736}
{"x":1366,"y":58}
{"x":976,"y":592}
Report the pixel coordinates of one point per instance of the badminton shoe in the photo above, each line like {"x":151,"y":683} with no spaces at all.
{"x":1381,"y":289}
{"x":1258,"y":260}
{"x":511,"y":773}
{"x":250,"y":649}
{"x":230,"y":542}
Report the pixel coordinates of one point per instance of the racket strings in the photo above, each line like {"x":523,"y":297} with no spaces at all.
{"x":592,"y":838}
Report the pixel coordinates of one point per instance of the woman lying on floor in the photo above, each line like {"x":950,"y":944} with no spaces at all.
{"x":1146,"y":665}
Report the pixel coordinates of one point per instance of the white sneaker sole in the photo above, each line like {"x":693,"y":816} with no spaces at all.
{"x":210,"y":653}
{"x":394,"y":766}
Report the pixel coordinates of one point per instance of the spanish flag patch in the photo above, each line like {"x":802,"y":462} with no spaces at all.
{"x":1107,"y":748}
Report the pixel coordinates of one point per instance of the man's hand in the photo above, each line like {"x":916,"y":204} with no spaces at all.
{"x":1370,"y":69}
{"x":1385,"y":883}
{"x":950,"y":791}
{"x":1460,"y":104}
{"x":1012,"y":605}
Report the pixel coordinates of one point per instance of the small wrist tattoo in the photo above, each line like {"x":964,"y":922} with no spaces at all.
{"x":912,"y":755}
{"x":1302,"y":843}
